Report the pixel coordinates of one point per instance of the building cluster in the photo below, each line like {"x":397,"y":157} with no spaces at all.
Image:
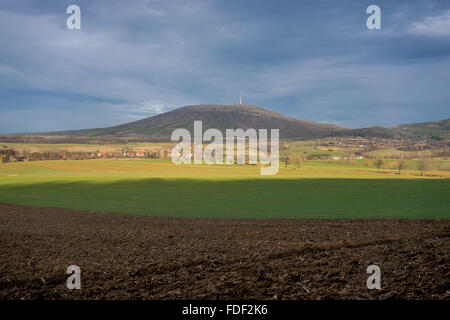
{"x":10,"y":155}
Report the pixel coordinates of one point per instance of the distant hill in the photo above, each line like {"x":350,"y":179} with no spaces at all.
{"x":213,"y":116}
{"x":380,"y":132}
{"x":438,"y":130}
{"x":243,"y":116}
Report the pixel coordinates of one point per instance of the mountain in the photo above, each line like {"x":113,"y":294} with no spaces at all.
{"x":243,"y":116}
{"x":221,"y":117}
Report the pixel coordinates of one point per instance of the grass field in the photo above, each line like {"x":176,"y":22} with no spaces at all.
{"x":160,"y":188}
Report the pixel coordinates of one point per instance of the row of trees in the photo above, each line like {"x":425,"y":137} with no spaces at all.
{"x":421,"y":165}
{"x":296,"y":161}
{"x":9,"y":155}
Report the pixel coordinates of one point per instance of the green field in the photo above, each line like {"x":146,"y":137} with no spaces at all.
{"x":159,"y":188}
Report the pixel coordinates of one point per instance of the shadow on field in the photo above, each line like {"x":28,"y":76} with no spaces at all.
{"x":241,"y":198}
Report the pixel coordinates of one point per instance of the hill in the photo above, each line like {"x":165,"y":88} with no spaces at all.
{"x":437,"y":130}
{"x":380,"y":132}
{"x":213,"y":116}
{"x":243,"y":116}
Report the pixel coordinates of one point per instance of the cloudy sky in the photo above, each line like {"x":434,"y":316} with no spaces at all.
{"x":314,"y":60}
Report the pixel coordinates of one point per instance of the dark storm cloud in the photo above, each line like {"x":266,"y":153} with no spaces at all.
{"x":311,"y":60}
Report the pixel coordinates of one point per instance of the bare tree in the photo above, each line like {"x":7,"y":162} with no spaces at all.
{"x":298,"y":160}
{"x":422,"y":165}
{"x":379,"y":163}
{"x":286,"y":161}
{"x":401,"y":166}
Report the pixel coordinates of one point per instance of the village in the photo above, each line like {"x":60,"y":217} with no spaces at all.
{"x":11,"y":155}
{"x":334,"y":148}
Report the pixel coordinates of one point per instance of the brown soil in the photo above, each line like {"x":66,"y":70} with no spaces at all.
{"x":138,"y":257}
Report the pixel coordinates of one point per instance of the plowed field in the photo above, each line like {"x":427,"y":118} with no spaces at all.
{"x":141,"y":257}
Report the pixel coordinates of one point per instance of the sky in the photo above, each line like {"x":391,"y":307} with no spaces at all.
{"x":312,"y":60}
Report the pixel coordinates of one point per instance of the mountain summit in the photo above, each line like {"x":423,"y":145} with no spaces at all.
{"x":221,"y":117}
{"x":244,"y":116}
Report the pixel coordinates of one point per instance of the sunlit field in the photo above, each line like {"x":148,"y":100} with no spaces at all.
{"x":315,"y":189}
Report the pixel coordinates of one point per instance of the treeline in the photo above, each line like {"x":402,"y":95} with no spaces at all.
{"x":418,"y":164}
{"x":439,"y":148}
{"x":7,"y":155}
{"x":411,"y":156}
{"x":10,"y":155}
